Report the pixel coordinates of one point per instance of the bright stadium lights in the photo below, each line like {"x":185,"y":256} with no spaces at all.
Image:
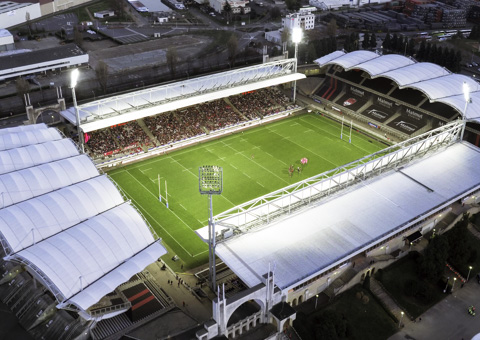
{"x":74,"y":78}
{"x":210,"y":182}
{"x":296,"y":38}
{"x":73,"y":83}
{"x":466,"y":95}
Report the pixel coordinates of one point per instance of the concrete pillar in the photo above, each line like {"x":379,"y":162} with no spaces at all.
{"x":30,"y":114}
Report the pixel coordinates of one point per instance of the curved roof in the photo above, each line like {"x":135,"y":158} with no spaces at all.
{"x":20,"y":128}
{"x":27,"y":183}
{"x":77,"y":257}
{"x":415,"y":73}
{"x":32,"y":155}
{"x":36,"y":219}
{"x":437,"y":83}
{"x":384,"y":64}
{"x":28,"y":137}
{"x":69,"y":225}
{"x":121,"y":274}
{"x":446,"y":86}
{"x":352,"y":59}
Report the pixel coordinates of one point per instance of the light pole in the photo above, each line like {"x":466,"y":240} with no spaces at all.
{"x":401,"y":318}
{"x":210,"y":182}
{"x":454,"y":280}
{"x":469,"y":269}
{"x":316,"y":300}
{"x":466,"y":95}
{"x":296,"y":38}
{"x":73,"y":83}
{"x":446,"y":286}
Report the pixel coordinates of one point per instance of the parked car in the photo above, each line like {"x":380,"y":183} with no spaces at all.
{"x":474,"y":64}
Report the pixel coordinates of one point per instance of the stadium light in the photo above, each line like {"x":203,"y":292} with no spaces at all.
{"x":296,"y":38}
{"x":466,"y":95}
{"x":210,"y":182}
{"x":73,"y":83}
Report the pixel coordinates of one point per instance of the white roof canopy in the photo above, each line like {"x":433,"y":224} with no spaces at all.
{"x":437,"y":83}
{"x":316,"y":239}
{"x":143,"y":103}
{"x":69,"y":225}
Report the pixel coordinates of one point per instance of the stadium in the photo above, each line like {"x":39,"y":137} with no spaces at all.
{"x":281,"y":237}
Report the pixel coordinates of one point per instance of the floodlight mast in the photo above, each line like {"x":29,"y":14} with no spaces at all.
{"x":466,"y":95}
{"x":73,"y":83}
{"x":210,"y":182}
{"x":296,"y":38}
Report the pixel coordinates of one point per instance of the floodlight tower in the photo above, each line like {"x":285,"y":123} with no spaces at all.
{"x":210,"y":182}
{"x":466,"y":95}
{"x":73,"y":83}
{"x":296,"y":38}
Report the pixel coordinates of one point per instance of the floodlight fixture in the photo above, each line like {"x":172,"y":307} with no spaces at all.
{"x":73,"y":83}
{"x":74,"y":78}
{"x":210,"y":182}
{"x":297,"y":35}
{"x":466,"y":91}
{"x":466,"y":95}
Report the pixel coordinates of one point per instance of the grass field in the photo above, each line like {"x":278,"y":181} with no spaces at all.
{"x":254,"y":163}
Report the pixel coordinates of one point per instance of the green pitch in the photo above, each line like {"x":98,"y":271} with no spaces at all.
{"x":254,"y":163}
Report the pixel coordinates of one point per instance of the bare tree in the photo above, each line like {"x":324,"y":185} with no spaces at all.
{"x":172,"y":58}
{"x":232,"y":47}
{"x":332,"y":28}
{"x":101,"y":72}
{"x":78,"y":37}
{"x":23,"y":87}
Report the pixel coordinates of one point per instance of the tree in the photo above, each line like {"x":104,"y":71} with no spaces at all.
{"x":393,"y":44}
{"x":101,"y":71}
{"x":332,"y":28}
{"x":232,"y":46}
{"x":227,"y":8}
{"x":118,"y":7}
{"x":411,"y":47}
{"x":275,"y":13}
{"x":421,"y":51}
{"x":387,"y":42}
{"x":292,"y":5}
{"x":77,"y":37}
{"x":432,"y":264}
{"x":457,"y":62}
{"x":373,"y":41}
{"x":285,"y":36}
{"x":366,"y":41}
{"x":23,"y":87}
{"x":172,"y":58}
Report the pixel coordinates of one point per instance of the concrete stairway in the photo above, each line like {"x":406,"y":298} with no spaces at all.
{"x":147,"y":131}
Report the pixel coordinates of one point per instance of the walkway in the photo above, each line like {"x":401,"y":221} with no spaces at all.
{"x":377,"y":289}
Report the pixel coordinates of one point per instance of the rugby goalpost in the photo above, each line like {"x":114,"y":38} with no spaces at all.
{"x":341,"y":131}
{"x":160,"y":191}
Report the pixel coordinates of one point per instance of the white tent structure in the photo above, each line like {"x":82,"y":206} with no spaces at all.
{"x":437,"y":83}
{"x":67,"y":223}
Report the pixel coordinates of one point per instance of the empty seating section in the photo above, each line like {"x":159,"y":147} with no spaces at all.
{"x":382,"y":85}
{"x":355,"y":76}
{"x":410,"y":96}
{"x":330,"y":89}
{"x":173,"y":126}
{"x":440,"y":109}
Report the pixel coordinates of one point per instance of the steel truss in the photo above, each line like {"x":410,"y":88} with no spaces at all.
{"x":284,"y":201}
{"x":118,"y":105}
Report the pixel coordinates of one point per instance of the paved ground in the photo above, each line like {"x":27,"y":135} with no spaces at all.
{"x":448,"y":319}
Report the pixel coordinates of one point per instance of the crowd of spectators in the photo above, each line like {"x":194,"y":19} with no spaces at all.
{"x":173,"y":126}
{"x":130,"y":135}
{"x":217,"y":115}
{"x":101,"y":142}
{"x":257,"y":104}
